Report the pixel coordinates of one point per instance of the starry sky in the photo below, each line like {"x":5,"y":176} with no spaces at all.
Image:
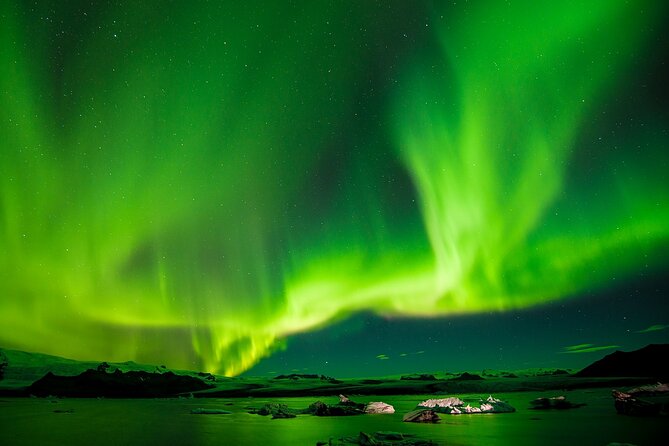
{"x":348,"y":188}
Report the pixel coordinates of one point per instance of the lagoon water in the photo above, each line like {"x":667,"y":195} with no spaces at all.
{"x":31,"y":421}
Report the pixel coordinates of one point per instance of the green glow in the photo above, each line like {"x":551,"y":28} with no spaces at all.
{"x":577,"y":347}
{"x":489,"y":147}
{"x":161,"y":184}
{"x":587,"y":348}
{"x":656,"y":327}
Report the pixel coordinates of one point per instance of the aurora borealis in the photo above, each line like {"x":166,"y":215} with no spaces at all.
{"x":195,"y":183}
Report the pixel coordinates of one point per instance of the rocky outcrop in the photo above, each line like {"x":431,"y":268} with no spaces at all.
{"x":320,"y":409}
{"x":468,"y":377}
{"x":421,"y":416}
{"x":277,"y":410}
{"x":494,"y":405}
{"x":207,"y":376}
{"x":96,"y":383}
{"x":103,"y":367}
{"x":643,"y":401}
{"x":280,"y":415}
{"x":646,"y":362}
{"x":345,"y":407}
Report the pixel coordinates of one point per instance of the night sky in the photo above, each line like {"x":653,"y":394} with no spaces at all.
{"x":348,"y":188}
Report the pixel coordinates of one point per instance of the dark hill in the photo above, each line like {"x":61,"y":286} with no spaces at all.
{"x":98,"y":383}
{"x":649,"y":361}
{"x":468,"y":377}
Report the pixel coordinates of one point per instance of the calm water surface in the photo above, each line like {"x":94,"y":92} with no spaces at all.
{"x":169,"y":422}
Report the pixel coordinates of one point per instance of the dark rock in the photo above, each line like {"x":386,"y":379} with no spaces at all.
{"x":272,"y":409}
{"x":344,"y":401}
{"x":330,"y":379}
{"x":643,"y":401}
{"x":467,"y":377}
{"x":390,"y":436}
{"x":280,"y":415}
{"x":421,"y":416}
{"x":321,"y":409}
{"x":133,"y":384}
{"x":366,"y":440}
{"x":103,"y":367}
{"x":207,"y":376}
{"x":645,"y":362}
{"x":379,"y":439}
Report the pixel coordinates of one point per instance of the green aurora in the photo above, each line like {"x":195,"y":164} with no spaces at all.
{"x":195,"y":186}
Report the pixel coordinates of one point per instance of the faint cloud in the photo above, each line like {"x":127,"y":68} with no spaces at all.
{"x":656,"y":327}
{"x":403,"y":354}
{"x":586,"y":348}
{"x":382,"y":357}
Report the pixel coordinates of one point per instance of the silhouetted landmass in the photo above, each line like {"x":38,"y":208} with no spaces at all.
{"x":297,"y":376}
{"x":649,"y":361}
{"x":3,"y":363}
{"x":553,"y":372}
{"x":98,"y":383}
{"x":467,"y":377}
{"x":206,"y":375}
{"x":371,"y":382}
{"x":25,"y":373}
{"x":419,"y":377}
